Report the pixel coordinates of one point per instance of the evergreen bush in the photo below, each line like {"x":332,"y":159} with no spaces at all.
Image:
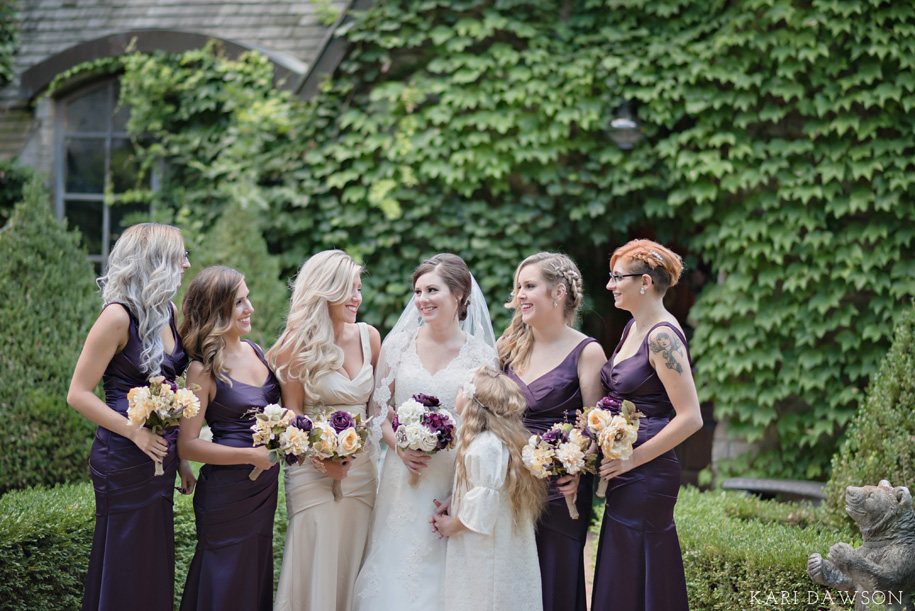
{"x":880,"y":443}
{"x":13,"y":179}
{"x":236,"y":241}
{"x":49,"y":303}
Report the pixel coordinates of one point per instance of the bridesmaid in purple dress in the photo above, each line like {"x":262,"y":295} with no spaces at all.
{"x":233,"y":564}
{"x":639,"y":564}
{"x":558,"y":370}
{"x":132,"y":565}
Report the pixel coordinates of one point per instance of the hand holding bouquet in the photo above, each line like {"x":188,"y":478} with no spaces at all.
{"x":420,"y":424}
{"x":160,"y":405}
{"x":282,"y":433}
{"x":562,"y":450}
{"x":614,"y":432}
{"x":337,"y":436}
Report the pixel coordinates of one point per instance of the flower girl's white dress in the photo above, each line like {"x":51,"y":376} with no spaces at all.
{"x":493,"y":565}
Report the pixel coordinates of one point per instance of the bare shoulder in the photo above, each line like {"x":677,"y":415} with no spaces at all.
{"x":593,"y":351}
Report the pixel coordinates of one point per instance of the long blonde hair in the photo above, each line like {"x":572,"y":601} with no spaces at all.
{"x":208,"y":308}
{"x":307,"y":342}
{"x":517,"y":342}
{"x":497,"y":406}
{"x":144,"y":273}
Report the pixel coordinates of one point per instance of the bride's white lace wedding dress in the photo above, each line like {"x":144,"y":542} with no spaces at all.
{"x":404,"y":567}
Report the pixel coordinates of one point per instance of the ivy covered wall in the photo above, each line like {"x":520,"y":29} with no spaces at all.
{"x":777,"y":153}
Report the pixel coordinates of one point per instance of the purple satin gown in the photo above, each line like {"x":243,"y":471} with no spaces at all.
{"x":233,"y":564}
{"x":132,"y":565}
{"x":639,"y":565}
{"x":555,"y":397}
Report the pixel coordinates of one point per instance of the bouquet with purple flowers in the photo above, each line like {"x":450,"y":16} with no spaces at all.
{"x":420,"y":424}
{"x":337,"y":435}
{"x":614,"y":425}
{"x":562,"y":450}
{"x":283,"y":433}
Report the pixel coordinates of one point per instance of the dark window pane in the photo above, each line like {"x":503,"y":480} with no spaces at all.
{"x":89,"y":113}
{"x":85,"y":171}
{"x":124,"y":166}
{"x":123,"y":216}
{"x":87,"y":217}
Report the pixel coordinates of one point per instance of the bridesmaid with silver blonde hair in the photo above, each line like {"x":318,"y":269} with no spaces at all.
{"x":132,"y":565}
{"x":325,"y":359}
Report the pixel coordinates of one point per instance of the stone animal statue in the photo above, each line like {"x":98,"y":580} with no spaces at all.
{"x":882,"y":570}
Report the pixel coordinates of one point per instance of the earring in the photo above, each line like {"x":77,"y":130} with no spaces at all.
{"x":555,"y":303}
{"x":642,"y":292}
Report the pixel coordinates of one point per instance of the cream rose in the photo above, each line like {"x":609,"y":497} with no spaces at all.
{"x":599,"y":419}
{"x":348,"y":441}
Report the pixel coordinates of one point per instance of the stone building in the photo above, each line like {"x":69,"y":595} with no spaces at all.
{"x":76,"y":137}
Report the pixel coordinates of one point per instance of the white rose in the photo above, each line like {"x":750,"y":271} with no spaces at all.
{"x":410,"y":411}
{"x":571,"y":457}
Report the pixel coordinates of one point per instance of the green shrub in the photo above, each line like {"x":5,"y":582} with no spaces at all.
{"x":46,"y":537}
{"x":48,"y":306}
{"x":878,"y":443}
{"x":743,"y":553}
{"x":13,"y":179}
{"x":236,"y":241}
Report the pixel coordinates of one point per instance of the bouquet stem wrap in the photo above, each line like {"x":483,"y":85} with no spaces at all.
{"x":602,"y":488}
{"x":254,"y":473}
{"x":413,"y":479}
{"x":573,"y":510}
{"x":337,"y":490}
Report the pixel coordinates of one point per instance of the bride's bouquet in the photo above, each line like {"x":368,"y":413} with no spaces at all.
{"x":159,"y":405}
{"x":420,"y":424}
{"x":562,"y":450}
{"x":614,"y":425}
{"x":337,"y":435}
{"x":283,"y":434}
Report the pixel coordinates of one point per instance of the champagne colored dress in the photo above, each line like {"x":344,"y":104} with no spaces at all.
{"x":326,"y":538}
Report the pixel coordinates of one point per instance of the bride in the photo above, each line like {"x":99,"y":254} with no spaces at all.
{"x":446,"y":333}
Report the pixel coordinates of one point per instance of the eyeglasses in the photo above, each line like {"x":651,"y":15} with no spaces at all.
{"x":616,"y":278}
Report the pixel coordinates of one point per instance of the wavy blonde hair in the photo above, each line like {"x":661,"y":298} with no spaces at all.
{"x":497,"y":406}
{"x":208,"y":308}
{"x":648,"y":257}
{"x":517,"y":342}
{"x":326,"y":278}
{"x":144,"y":273}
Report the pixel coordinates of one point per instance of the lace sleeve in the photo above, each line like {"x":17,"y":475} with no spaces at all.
{"x":392,"y":351}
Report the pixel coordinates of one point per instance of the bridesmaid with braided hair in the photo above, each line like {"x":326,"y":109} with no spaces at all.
{"x":557,"y":369}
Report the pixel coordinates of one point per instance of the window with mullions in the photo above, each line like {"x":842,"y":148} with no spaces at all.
{"x":95,"y":163}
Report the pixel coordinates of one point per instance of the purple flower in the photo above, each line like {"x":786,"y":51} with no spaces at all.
{"x":443,"y":427}
{"x":302,"y":422}
{"x":552,"y":437}
{"x":291,"y":459}
{"x":341,"y":420}
{"x":427,"y":400}
{"x":171,"y":385}
{"x":395,"y":424}
{"x":609,"y":403}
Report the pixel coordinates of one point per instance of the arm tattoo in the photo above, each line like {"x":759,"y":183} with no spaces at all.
{"x":667,"y":344}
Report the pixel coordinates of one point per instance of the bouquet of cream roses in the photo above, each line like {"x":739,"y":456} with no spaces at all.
{"x":562,"y":450}
{"x":420,"y":424}
{"x":159,"y":405}
{"x":283,"y":433}
{"x":337,"y":435}
{"x":614,"y":425}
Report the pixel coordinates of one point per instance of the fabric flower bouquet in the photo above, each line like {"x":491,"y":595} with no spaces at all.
{"x":159,"y":406}
{"x":614,"y":425}
{"x":562,"y":450}
{"x":284,"y":434}
{"x":420,"y":424}
{"x":328,"y":435}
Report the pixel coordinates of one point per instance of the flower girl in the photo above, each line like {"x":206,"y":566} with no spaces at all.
{"x":491,"y":560}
